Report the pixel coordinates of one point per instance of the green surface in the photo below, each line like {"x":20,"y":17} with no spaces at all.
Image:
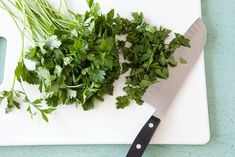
{"x":220,"y":72}
{"x":3,"y":44}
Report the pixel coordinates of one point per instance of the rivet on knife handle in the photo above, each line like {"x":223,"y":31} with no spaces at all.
{"x":143,"y":138}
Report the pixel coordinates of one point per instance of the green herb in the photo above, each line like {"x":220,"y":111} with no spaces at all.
{"x":123,"y":101}
{"x":183,"y":61}
{"x":76,"y":56}
{"x":149,"y":57}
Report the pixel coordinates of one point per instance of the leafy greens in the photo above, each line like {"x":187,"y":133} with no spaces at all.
{"x":76,"y":56}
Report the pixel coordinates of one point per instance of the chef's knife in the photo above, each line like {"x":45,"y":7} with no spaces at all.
{"x":160,"y":95}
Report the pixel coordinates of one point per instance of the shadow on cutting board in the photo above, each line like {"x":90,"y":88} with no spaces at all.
{"x":3,"y":46}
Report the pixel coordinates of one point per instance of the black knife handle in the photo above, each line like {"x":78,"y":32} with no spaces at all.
{"x":143,"y":138}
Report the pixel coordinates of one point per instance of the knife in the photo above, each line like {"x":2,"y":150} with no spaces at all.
{"x":160,"y":95}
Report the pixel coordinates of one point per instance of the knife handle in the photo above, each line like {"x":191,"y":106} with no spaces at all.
{"x":143,"y":138}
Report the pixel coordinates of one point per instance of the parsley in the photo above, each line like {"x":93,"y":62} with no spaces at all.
{"x":23,"y":74}
{"x":148,"y":57}
{"x":183,"y":61}
{"x":122,"y":102}
{"x":76,"y":56}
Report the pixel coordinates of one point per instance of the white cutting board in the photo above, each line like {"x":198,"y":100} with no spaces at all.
{"x":185,"y":123}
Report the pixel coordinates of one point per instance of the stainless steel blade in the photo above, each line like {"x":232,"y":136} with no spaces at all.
{"x":161,"y":94}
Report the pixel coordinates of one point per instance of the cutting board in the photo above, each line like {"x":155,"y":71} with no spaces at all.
{"x":185,"y":123}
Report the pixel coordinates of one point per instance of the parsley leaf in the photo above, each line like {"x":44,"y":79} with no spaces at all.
{"x":44,"y":116}
{"x":71,"y":93}
{"x":90,"y":2}
{"x":44,"y":76}
{"x":97,"y":75}
{"x":183,"y":61}
{"x":22,"y":73}
{"x":52,"y":42}
{"x":122,"y":102}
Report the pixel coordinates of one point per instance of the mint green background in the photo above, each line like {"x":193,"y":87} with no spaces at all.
{"x":3,"y":43}
{"x":220,"y":71}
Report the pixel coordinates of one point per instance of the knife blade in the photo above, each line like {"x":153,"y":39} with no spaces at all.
{"x":161,"y":95}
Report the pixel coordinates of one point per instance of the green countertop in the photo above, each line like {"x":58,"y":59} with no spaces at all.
{"x":220,"y":72}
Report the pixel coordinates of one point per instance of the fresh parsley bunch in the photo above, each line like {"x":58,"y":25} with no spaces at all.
{"x":76,"y":56}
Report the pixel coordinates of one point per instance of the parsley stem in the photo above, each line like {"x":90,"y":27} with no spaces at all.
{"x":13,"y":83}
{"x":22,"y":36}
{"x":27,"y":98}
{"x":75,"y":86}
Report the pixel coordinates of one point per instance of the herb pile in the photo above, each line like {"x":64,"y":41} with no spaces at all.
{"x":76,"y":56}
